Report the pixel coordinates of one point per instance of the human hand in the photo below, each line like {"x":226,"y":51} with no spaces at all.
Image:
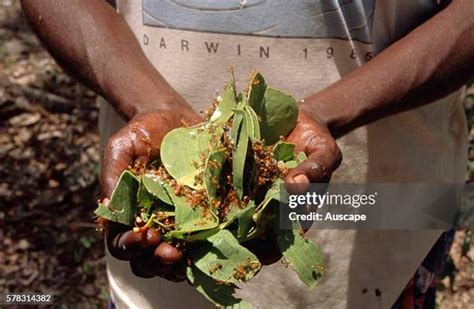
{"x":324,"y":156}
{"x":138,"y":143}
{"x":312,"y":136}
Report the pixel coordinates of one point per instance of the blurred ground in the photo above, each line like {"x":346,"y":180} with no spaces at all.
{"x":48,"y":169}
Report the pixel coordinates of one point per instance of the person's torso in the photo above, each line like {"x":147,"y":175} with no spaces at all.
{"x":302,"y":46}
{"x":299,"y":46}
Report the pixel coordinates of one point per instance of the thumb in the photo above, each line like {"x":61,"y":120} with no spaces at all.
{"x":317,"y":168}
{"x":116,"y":158}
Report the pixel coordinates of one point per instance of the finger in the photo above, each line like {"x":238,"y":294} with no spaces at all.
{"x":125,"y":245}
{"x":163,"y":270}
{"x":148,"y":265}
{"x":144,"y":266}
{"x":180,"y":272}
{"x":175,"y":273}
{"x":151,"y":238}
{"x":118,"y":155}
{"x":168,"y":254}
{"x":318,"y":167}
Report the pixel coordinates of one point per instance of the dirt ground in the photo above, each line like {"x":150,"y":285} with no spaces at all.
{"x":49,"y":162}
{"x":49,"y":158}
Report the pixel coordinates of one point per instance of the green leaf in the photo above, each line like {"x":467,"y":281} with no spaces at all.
{"x":291,"y":164}
{"x":219,"y":294}
{"x":253,"y":124}
{"x":212,"y":172}
{"x":202,"y":235}
{"x":300,"y":157}
{"x":283,"y":151}
{"x":190,"y":219}
{"x":123,"y":202}
{"x":278,"y":115}
{"x":181,"y":150}
{"x":155,"y":186}
{"x":224,"y":259}
{"x":226,"y":103}
{"x":239,"y":155}
{"x":253,"y":129}
{"x":249,"y":125}
{"x":236,"y":127}
{"x":303,"y":256}
{"x":231,"y":216}
{"x":272,"y":194}
{"x":145,"y":198}
{"x":244,"y":218}
{"x":263,"y":214}
{"x":237,"y":120}
{"x":297,"y":160}
{"x":257,"y":89}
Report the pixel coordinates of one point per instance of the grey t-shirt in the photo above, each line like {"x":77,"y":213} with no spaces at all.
{"x":302,"y":46}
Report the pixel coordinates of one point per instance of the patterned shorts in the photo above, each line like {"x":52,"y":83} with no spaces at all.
{"x":420,"y":291}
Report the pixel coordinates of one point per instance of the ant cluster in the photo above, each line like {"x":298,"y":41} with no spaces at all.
{"x":263,"y":171}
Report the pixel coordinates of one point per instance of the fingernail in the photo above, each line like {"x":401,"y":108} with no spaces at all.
{"x":300,"y":178}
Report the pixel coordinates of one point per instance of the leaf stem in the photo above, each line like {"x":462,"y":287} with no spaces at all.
{"x":142,"y":229}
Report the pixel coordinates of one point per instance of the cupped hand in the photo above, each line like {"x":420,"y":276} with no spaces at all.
{"x":323,"y":157}
{"x":138,"y":143}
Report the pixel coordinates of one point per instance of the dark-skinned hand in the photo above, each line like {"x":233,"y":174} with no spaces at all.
{"x":139,"y":141}
{"x":312,"y":136}
{"x":324,"y":156}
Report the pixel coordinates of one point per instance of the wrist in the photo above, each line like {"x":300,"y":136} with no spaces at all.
{"x":132,"y":101}
{"x":324,"y":112}
{"x":163,"y":100}
{"x":139,"y":92}
{"x":339,"y":111}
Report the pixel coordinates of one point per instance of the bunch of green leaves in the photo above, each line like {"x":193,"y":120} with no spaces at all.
{"x":192,"y":194}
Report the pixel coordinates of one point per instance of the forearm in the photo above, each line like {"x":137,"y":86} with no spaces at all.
{"x":94,"y":44}
{"x":429,"y":63}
